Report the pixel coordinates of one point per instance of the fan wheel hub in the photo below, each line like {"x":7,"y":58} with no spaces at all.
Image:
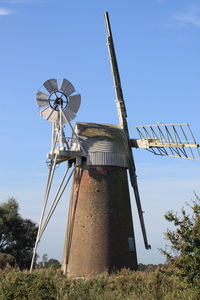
{"x":58,"y":100}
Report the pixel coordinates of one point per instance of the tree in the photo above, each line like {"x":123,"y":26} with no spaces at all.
{"x":149,"y":267}
{"x":48,"y":263}
{"x":185,"y":241}
{"x":53,"y":263}
{"x":17,"y":235}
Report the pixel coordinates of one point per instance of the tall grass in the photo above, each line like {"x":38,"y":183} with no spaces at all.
{"x":163,"y":284}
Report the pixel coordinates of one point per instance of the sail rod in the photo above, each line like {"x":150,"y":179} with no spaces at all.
{"x":121,"y":109}
{"x":122,"y":115}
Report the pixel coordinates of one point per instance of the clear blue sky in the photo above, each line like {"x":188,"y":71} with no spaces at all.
{"x":158,"y":50}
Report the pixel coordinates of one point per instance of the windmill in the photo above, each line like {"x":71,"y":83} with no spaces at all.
{"x":100,"y":234}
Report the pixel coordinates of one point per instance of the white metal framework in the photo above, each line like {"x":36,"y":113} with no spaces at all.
{"x":59,"y":107}
{"x":174,"y":140}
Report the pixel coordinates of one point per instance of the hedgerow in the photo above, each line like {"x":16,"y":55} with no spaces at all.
{"x":163,"y":284}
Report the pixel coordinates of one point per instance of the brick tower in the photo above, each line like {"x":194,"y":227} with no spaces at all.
{"x":100,"y":234}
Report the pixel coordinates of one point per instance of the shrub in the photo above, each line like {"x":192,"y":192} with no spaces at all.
{"x":163,"y":284}
{"x":184,"y":252}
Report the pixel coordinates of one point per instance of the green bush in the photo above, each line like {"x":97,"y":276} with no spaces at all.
{"x":163,"y":284}
{"x":184,"y":249}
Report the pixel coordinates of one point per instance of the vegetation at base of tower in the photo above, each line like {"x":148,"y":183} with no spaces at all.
{"x":184,"y":249}
{"x":178,"y":279}
{"x":47,"y":284}
{"x":17,"y":236}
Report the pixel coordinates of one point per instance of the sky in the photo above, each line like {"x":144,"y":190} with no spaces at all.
{"x":158,"y":50}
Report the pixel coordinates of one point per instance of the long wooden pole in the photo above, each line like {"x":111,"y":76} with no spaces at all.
{"x":122,"y":115}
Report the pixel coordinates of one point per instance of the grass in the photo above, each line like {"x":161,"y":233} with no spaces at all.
{"x":162,"y":284}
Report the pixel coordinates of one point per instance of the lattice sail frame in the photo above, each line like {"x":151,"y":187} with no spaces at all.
{"x":173,"y":140}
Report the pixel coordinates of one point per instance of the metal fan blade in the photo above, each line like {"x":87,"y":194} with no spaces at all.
{"x":70,"y":115}
{"x":49,"y":114}
{"x":42,"y":99}
{"x":51,"y":85}
{"x":67,"y":87}
{"x":74,"y":102}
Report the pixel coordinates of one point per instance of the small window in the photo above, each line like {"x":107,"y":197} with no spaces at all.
{"x":131,"y":245}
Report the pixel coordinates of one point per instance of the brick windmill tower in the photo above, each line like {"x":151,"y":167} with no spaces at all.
{"x":100,"y":235}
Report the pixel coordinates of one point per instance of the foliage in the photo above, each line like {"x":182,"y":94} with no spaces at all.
{"x":17,"y":235}
{"x":163,"y":284}
{"x":185,"y":242}
{"x":6,"y":259}
{"x":148,"y":267}
{"x":48,"y":263}
{"x":53,"y":264}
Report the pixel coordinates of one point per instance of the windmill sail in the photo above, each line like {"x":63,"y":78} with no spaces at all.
{"x":173,"y":140}
{"x":122,"y":115}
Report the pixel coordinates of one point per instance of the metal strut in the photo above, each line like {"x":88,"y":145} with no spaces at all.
{"x":122,"y":115}
{"x":49,"y":182}
{"x":43,"y":223}
{"x":55,"y":201}
{"x":76,"y":136}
